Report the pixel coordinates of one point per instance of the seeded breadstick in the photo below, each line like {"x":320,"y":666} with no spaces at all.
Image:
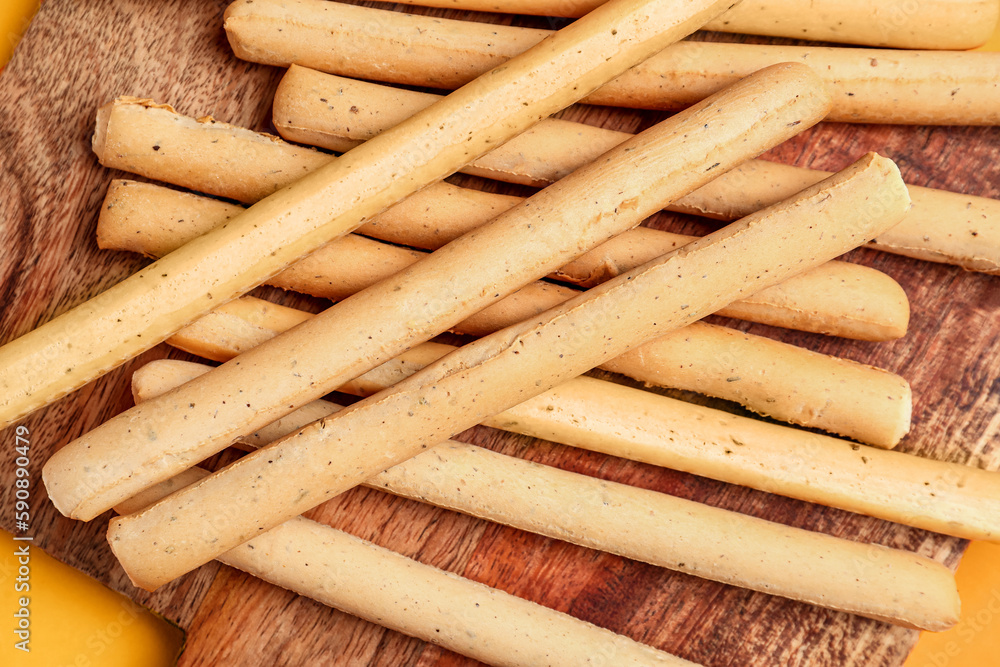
{"x":659,"y":529}
{"x":941,"y":227}
{"x":485,"y":377}
{"x":903,"y":24}
{"x":613,"y":419}
{"x":525,"y":243}
{"x":383,"y":587}
{"x":771,"y":378}
{"x":146,"y":308}
{"x":837,"y":298}
{"x":866,"y":85}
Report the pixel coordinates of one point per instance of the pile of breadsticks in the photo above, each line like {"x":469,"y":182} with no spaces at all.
{"x":552,"y":285}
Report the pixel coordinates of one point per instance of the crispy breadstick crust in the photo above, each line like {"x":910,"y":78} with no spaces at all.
{"x":838,"y":298}
{"x":770,"y":378}
{"x":941,"y":227}
{"x":901,"y":24}
{"x":866,"y":85}
{"x":613,"y":419}
{"x":648,"y":526}
{"x":148,"y":307}
{"x":485,"y":377}
{"x":355,"y":335}
{"x":350,"y":574}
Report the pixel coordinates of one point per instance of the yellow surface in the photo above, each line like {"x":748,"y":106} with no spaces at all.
{"x":14,"y":18}
{"x":72,"y":619}
{"x":994,"y":43}
{"x":975,"y":641}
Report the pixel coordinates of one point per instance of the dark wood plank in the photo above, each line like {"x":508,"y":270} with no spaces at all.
{"x":77,"y":56}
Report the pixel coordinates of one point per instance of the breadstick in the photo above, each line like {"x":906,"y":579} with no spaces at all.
{"x":774,"y":379}
{"x":941,"y":227}
{"x":662,"y":530}
{"x":838,"y":298}
{"x":191,"y":527}
{"x":528,"y":241}
{"x":902,"y":24}
{"x":771,"y":378}
{"x":347,"y":573}
{"x":613,"y":419}
{"x":866,"y":85}
{"x":146,"y":308}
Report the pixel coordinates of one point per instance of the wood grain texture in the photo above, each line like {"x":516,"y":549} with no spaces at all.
{"x":77,"y":56}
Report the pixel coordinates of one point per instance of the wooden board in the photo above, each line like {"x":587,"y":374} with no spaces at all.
{"x":78,"y":55}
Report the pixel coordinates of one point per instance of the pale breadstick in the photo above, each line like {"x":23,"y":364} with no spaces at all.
{"x":866,"y":85}
{"x":485,"y":377}
{"x":941,"y":227}
{"x":662,"y":530}
{"x":745,"y":368}
{"x":146,"y":308}
{"x":902,"y":24}
{"x":838,"y":298}
{"x":337,"y":113}
{"x":347,"y":573}
{"x":605,"y":417}
{"x":771,"y":378}
{"x":530,"y":240}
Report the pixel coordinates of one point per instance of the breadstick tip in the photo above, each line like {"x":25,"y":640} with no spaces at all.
{"x":808,"y":79}
{"x":100,"y":141}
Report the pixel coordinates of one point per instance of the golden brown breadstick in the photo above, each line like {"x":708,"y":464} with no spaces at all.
{"x":941,"y":227}
{"x":838,"y":298}
{"x":337,"y":113}
{"x":655,"y":528}
{"x":902,"y":24}
{"x":485,"y":377}
{"x":613,"y":419}
{"x":866,"y":85}
{"x":745,"y":367}
{"x":146,"y":308}
{"x":525,"y":243}
{"x":771,"y":378}
{"x":459,"y":614}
